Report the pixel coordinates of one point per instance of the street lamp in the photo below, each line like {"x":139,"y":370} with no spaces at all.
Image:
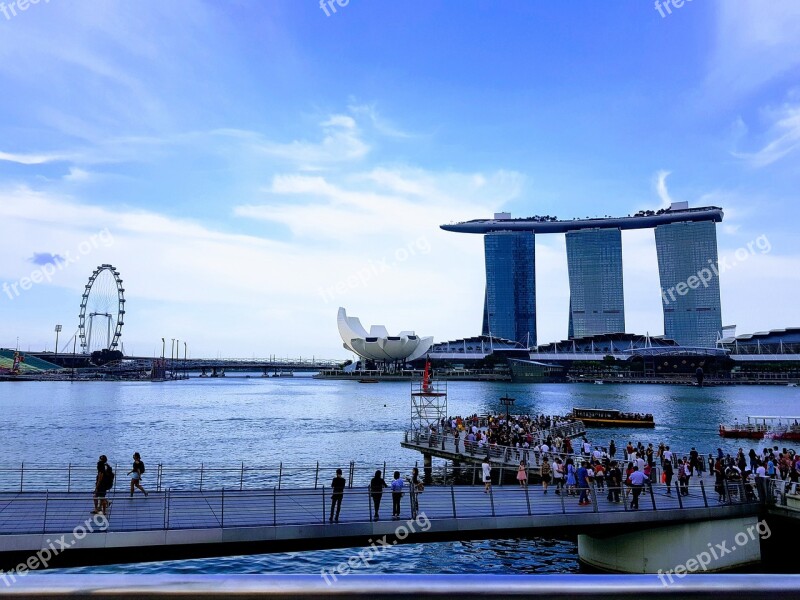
{"x":162,"y":348}
{"x":185,"y":365}
{"x":507,"y":402}
{"x":55,"y":353}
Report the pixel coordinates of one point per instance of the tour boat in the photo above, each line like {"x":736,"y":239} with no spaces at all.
{"x":602,"y":417}
{"x":756,"y":428}
{"x":369,"y":380}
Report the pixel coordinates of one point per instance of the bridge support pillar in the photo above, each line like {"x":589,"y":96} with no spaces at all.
{"x":264,"y":372}
{"x":675,"y":550}
{"x":427,"y":468}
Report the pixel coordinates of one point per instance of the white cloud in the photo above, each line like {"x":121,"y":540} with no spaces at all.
{"x":661,"y":188}
{"x":32,"y":159}
{"x":783,"y":136}
{"x":756,"y":42}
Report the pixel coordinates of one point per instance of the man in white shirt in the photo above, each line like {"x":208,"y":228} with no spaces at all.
{"x":668,"y":454}
{"x":637,"y":484}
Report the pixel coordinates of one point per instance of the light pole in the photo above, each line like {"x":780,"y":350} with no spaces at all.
{"x":507,"y":402}
{"x":162,"y":348}
{"x":185,"y":365}
{"x":55,"y":352}
{"x":74,"y":348}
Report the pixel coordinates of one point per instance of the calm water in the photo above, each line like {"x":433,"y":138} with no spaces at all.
{"x":299,"y":421}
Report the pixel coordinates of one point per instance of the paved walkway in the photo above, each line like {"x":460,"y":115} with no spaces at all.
{"x":27,"y":513}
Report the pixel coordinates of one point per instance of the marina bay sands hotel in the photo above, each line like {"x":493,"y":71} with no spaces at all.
{"x":686,"y":244}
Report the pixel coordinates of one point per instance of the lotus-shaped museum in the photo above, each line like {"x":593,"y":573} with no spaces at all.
{"x":378,"y":344}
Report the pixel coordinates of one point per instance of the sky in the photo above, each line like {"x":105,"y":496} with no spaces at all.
{"x":251,"y":166}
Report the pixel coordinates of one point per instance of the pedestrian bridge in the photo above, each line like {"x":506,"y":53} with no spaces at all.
{"x":181,"y":524}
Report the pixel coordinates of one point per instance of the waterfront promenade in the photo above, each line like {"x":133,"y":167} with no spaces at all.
{"x":174,"y":524}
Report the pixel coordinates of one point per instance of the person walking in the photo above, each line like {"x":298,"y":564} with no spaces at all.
{"x":486,"y":468}
{"x":583,"y":484}
{"x":614,"y":482}
{"x":522,"y":474}
{"x":558,"y":476}
{"x":376,"y":486}
{"x":416,"y":489}
{"x":545,"y":474}
{"x":666,"y":467}
{"x":337,"y":485}
{"x":638,"y":480}
{"x":397,"y":495}
{"x":101,"y":467}
{"x":103,"y":483}
{"x":136,"y":474}
{"x":571,"y":481}
{"x":612,"y":449}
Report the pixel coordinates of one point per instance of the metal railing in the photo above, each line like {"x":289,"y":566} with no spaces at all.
{"x":510,"y":455}
{"x":30,"y":477}
{"x":50,"y":512}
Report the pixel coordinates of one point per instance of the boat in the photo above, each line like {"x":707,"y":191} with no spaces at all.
{"x":606,"y":417}
{"x":369,"y":380}
{"x":757,"y":428}
{"x":599,"y":382}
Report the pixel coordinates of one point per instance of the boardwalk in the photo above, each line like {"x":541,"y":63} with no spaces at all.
{"x":172,"y":524}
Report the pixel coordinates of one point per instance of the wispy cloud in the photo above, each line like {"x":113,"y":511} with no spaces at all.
{"x":33,"y":159}
{"x":783,"y":135}
{"x":661,"y":188}
{"x":756,"y":42}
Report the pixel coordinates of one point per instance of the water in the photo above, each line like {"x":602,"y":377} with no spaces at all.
{"x":299,"y":421}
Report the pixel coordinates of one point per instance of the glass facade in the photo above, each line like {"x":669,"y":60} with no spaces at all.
{"x":689,"y":273}
{"x":510,"y":304}
{"x":596,"y":299}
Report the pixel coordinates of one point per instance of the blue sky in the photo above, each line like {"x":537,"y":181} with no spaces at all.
{"x":259,"y":164}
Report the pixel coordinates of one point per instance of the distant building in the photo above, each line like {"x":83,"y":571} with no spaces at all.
{"x":596,"y":299}
{"x":510,"y":304}
{"x":687,"y":250}
{"x":689,"y":274}
{"x":377,"y":344}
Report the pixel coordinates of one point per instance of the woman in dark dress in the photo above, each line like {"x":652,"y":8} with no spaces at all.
{"x":376,"y":486}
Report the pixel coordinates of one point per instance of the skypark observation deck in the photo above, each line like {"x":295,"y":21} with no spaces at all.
{"x":542,"y":225}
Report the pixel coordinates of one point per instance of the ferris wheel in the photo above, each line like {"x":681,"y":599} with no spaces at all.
{"x":102,"y":311}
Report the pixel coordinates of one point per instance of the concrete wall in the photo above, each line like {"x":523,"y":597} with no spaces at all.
{"x":692,"y":547}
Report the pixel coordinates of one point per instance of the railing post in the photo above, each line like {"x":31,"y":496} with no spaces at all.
{"x":46,"y":499}
{"x":491,"y":499}
{"x":241,"y":478}
{"x":453,"y":497}
{"x":680,"y":497}
{"x":69,"y":477}
{"x":274,"y":507}
{"x":21,"y":475}
{"x":323,"y":504}
{"x":166,"y":509}
{"x":369,"y":502}
{"x":316,"y":476}
{"x":561,"y":495}
{"x":653,"y":495}
{"x":703,"y":490}
{"x":222,"y":510}
{"x":528,"y":498}
{"x":280,"y":474}
{"x":201,"y":477}
{"x":593,"y":494}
